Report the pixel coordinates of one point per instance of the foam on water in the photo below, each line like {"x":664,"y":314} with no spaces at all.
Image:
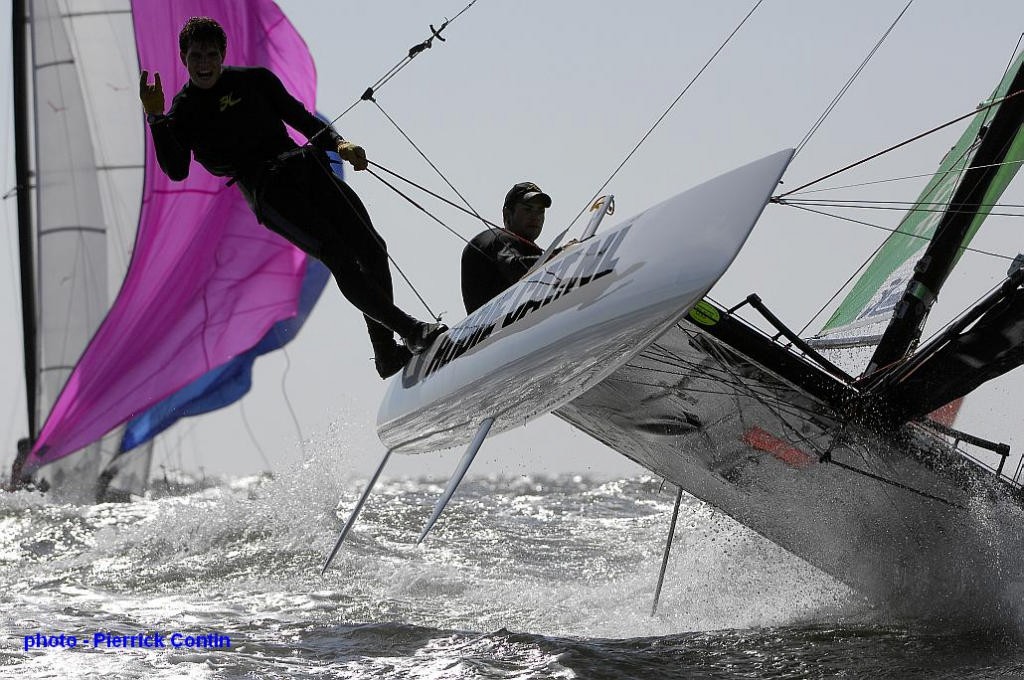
{"x":552,"y":560}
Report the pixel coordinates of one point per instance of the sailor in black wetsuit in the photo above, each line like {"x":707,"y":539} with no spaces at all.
{"x":233,"y":121}
{"x":497,"y":258}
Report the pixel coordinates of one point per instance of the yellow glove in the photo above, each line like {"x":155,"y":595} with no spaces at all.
{"x":152,"y":96}
{"x":353,"y":153}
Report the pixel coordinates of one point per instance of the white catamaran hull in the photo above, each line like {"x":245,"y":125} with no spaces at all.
{"x":569,"y":324}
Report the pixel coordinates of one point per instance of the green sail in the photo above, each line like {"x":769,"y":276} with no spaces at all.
{"x":881,"y":285}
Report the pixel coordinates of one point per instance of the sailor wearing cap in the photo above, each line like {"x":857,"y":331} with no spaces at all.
{"x":497,"y":258}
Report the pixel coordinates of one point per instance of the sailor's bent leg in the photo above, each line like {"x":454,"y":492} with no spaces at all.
{"x":365,"y":294}
{"x":357,"y":231}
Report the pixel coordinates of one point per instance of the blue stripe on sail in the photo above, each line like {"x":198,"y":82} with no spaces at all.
{"x":229,"y":382}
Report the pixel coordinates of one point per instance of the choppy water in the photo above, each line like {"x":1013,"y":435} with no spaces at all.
{"x":522,"y":578}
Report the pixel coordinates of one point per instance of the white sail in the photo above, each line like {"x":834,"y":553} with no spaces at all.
{"x":87,"y":164}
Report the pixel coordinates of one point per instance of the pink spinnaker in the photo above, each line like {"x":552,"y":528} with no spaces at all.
{"x":206,"y":281}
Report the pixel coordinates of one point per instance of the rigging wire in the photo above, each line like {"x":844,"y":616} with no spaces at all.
{"x":988,"y":109}
{"x":794,"y":436}
{"x":870,"y":257}
{"x":413,"y":202}
{"x":1016,"y":47}
{"x":873,"y":156}
{"x":404,"y":61}
{"x":881,"y":204}
{"x":811,"y":202}
{"x":900,"y":179}
{"x":429,"y":162}
{"x":903,"y":206}
{"x":898,"y":485}
{"x":472,"y":211}
{"x":842,"y":91}
{"x":957,"y":166}
{"x":662,"y":117}
{"x":856,"y":446}
{"x":373,"y":233}
{"x":718,"y":378}
{"x":368,"y":95}
{"x":435,"y":195}
{"x":745,"y":390}
{"x":892,"y":231}
{"x":167,"y":450}
{"x":405,"y":278}
{"x":490,"y":225}
{"x":720,"y":375}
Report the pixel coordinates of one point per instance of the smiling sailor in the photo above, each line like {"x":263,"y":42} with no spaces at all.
{"x":232,"y":119}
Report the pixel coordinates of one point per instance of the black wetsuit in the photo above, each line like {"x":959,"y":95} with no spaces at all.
{"x":237,"y":129}
{"x":494,"y":260}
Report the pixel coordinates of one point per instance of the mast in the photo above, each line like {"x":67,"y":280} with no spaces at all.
{"x":26,"y":254}
{"x":942,"y":252}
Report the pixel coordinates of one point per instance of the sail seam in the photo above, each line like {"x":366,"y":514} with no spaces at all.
{"x":135,"y":166}
{"x":97,"y":13}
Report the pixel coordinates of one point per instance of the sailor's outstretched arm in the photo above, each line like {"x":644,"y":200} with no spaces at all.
{"x":319,"y":133}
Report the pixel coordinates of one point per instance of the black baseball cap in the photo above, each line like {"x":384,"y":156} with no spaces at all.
{"x":524,"y":191}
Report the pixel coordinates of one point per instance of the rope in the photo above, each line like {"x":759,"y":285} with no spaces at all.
{"x":898,"y":485}
{"x":431,"y":215}
{"x":907,"y":205}
{"x":890,"y":230}
{"x":429,"y":162}
{"x":431,"y":193}
{"x":863,"y":64}
{"x":252,"y":436}
{"x":900,"y":179}
{"x":376,"y":237}
{"x":600,"y":189}
{"x":288,"y":401}
{"x":954,"y":168}
{"x":414,"y":203}
{"x":744,"y":389}
{"x":867,"y":260}
{"x":875,"y":252}
{"x":403,"y":62}
{"x":368,"y":95}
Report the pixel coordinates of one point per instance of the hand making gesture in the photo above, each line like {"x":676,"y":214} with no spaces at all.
{"x":152,"y":96}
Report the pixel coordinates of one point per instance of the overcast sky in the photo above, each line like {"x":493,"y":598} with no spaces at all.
{"x":558,"y":93}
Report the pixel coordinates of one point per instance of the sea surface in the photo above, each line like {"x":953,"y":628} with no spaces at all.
{"x":521,"y":578}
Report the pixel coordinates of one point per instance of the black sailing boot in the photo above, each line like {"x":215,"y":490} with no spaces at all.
{"x":392,"y":360}
{"x":423,"y":337}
